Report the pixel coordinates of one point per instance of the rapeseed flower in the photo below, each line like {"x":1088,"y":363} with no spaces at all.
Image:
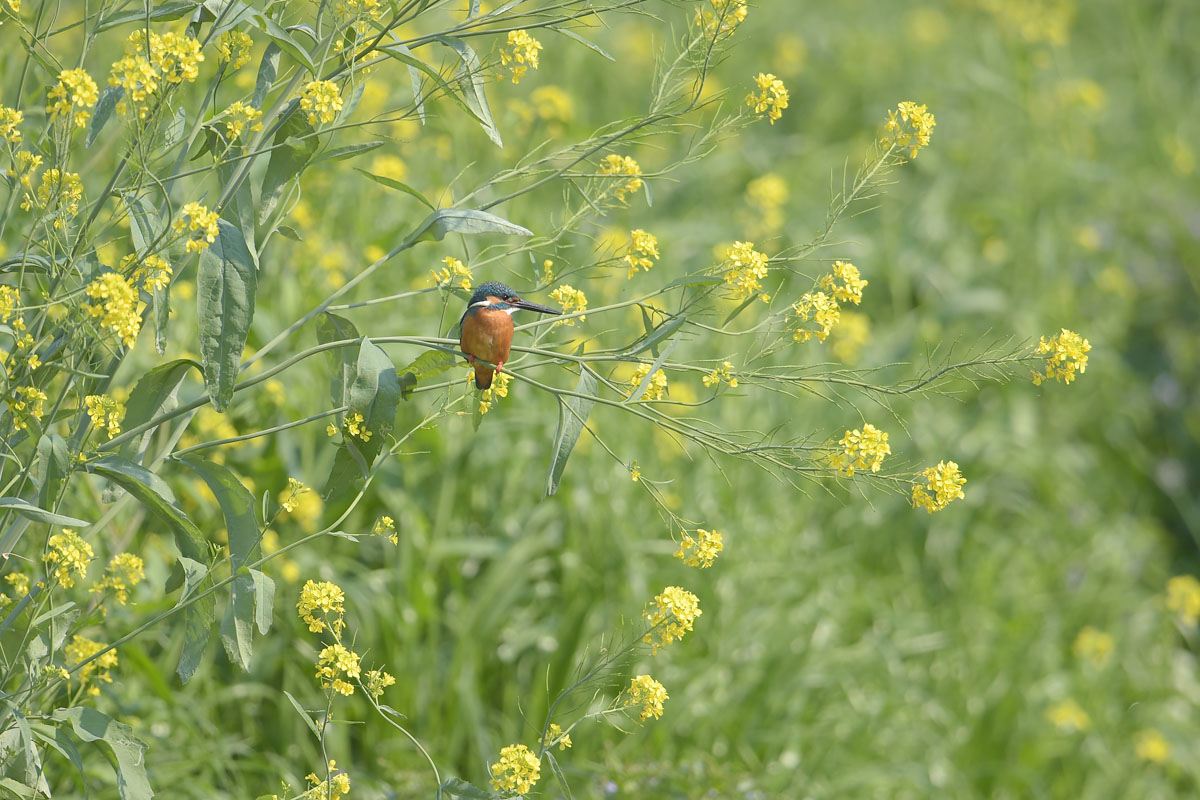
{"x":643,"y":251}
{"x":116,"y":307}
{"x":124,"y":571}
{"x":745,"y":271}
{"x":337,"y":786}
{"x":671,"y":617}
{"x":1093,"y":645}
{"x":656,"y":389}
{"x":1065,"y":354}
{"x":909,"y":127}
{"x":69,"y":555}
{"x":1068,"y":716}
{"x":702,"y":550}
{"x":72,"y":97}
{"x":555,"y":736}
{"x":200,"y":224}
{"x":322,"y":101}
{"x":772,"y":96}
{"x":321,"y":605}
{"x":106,"y":413}
{"x":819,"y":307}
{"x":233,"y":48}
{"x":944,"y":481}
{"x":376,"y":681}
{"x":10,"y":118}
{"x":721,"y":374}
{"x":455,"y":272}
{"x":81,"y":649}
{"x":386,"y":526}
{"x":1150,"y":745}
{"x":613,"y":164}
{"x":28,"y":403}
{"x":845,"y":283}
{"x":240,"y":118}
{"x":334,"y":662}
{"x":723,"y":18}
{"x":649,"y":694}
{"x":518,"y":769}
{"x":489,"y":396}
{"x":862,"y":448}
{"x":572,"y":301}
{"x":519,"y":54}
{"x":1183,"y":598}
{"x":154,"y":272}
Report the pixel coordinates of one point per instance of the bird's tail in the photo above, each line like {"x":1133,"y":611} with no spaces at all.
{"x":483,"y":376}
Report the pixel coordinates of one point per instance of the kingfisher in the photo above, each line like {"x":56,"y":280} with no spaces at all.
{"x":486,"y":328}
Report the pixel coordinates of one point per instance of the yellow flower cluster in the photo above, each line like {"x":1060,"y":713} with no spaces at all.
{"x":154,"y":272}
{"x":455,"y":272}
{"x":1183,"y":598}
{"x":200,"y":224}
{"x":845,"y":282}
{"x":25,"y":164}
{"x":745,"y":271}
{"x":702,"y":550}
{"x":10,"y":302}
{"x":335,"y":788}
{"x":348,"y":10}
{"x":1068,"y":716}
{"x":671,"y":617}
{"x":81,"y":649}
{"x":117,"y":308}
{"x":28,"y":403}
{"x":655,"y":390}
{"x":909,"y":127}
{"x":149,"y":61}
{"x":18,"y":583}
{"x":106,"y":413}
{"x":289,"y":499}
{"x":1065,"y":354}
{"x":944,"y":481}
{"x":59,"y":191}
{"x":862,"y":449}
{"x":123,"y":572}
{"x":556,"y":736}
{"x":572,"y":301}
{"x":356,"y":425}
{"x":520,"y":53}
{"x":1149,"y":745}
{"x":14,"y":7}
{"x":1093,"y":645}
{"x":376,"y":681}
{"x":233,"y":48}
{"x":10,"y":118}
{"x":386,"y":526}
{"x":517,"y":770}
{"x":643,"y":251}
{"x":240,"y":118}
{"x":724,"y":17}
{"x":322,"y":101}
{"x":322,"y":605}
{"x":69,"y":554}
{"x":498,"y":390}
{"x":772,"y":96}
{"x":649,"y":694}
{"x":335,"y":661}
{"x":72,"y":98}
{"x":613,"y":164}
{"x":722,"y":374}
{"x":822,"y":309}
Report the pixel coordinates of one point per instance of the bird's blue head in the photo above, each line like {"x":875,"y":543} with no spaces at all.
{"x":504,"y":298}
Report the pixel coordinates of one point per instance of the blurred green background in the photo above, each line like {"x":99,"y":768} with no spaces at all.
{"x":849,"y":646}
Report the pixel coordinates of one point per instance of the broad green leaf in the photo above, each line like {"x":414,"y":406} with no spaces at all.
{"x":295,"y":145}
{"x":397,"y":185}
{"x":91,"y":725}
{"x":166,"y":11}
{"x":32,"y":512}
{"x":426,"y":366}
{"x":193,"y":575}
{"x":198,"y":619}
{"x":375,"y":394}
{"x":225,"y":14}
{"x":35,"y":774}
{"x":237,"y":628}
{"x":225,"y":286}
{"x":264,"y":600}
{"x":51,"y":469}
{"x":237,"y":505}
{"x":457,"y":787}
{"x":25,"y":262}
{"x":154,"y":393}
{"x":343,"y":361}
{"x":103,"y":111}
{"x":644,"y":384}
{"x":282,"y":38}
{"x":154,"y":493}
{"x":58,"y":739}
{"x":655,"y":336}
{"x":464,"y":221}
{"x":472,"y":81}
{"x":268,"y":68}
{"x":347,"y":151}
{"x":348,"y":471}
{"x":572,"y":415}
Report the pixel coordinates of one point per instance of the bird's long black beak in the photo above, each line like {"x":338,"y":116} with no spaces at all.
{"x":528,"y":306}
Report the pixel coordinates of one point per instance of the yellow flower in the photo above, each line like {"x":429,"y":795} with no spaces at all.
{"x":745,"y":270}
{"x":200,"y":224}
{"x":355,"y":425}
{"x":288,"y":500}
{"x":124,"y":571}
{"x":1149,"y":745}
{"x":10,"y":303}
{"x":649,"y":694}
{"x":334,"y":662}
{"x":909,"y":126}
{"x":1183,"y":597}
{"x":517,"y":770}
{"x":1094,"y":645}
{"x":386,"y":526}
{"x":10,"y":118}
{"x":117,"y":308}
{"x":1066,"y":354}
{"x":322,"y":604}
{"x":59,"y":192}
{"x":68,"y":554}
{"x":233,"y":47}
{"x":240,"y":118}
{"x":851,"y":283}
{"x":519,"y":54}
{"x":724,"y":17}
{"x":18,"y":583}
{"x":177,"y":57}
{"x":322,"y":101}
{"x":154,"y":272}
{"x":334,"y":788}
{"x":635,"y":472}
{"x":25,"y":165}
{"x":772,"y":96}
{"x":455,"y":272}
{"x":28,"y":403}
{"x":656,"y":389}
{"x":72,"y":97}
{"x":106,"y":413}
{"x":671,"y":617}
{"x":701,"y":551}
{"x":14,"y":7}
{"x":572,"y":301}
{"x":862,"y":449}
{"x":555,"y":736}
{"x":722,"y":374}
{"x":643,"y":251}
{"x":945,"y":481}
{"x":377,"y":680}
{"x":613,"y":164}
{"x":1068,"y":716}
{"x":81,"y":649}
{"x":498,"y":389}
{"x":822,"y":309}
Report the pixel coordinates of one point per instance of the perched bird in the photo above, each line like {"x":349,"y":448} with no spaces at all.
{"x":487,"y":328}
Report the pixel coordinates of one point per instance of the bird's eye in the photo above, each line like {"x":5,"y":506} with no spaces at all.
{"x":512,"y":298}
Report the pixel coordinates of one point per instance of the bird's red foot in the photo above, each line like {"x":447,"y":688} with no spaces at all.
{"x":470,"y":359}
{"x":499,"y":366}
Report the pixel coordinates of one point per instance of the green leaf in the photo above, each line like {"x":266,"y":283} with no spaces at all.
{"x":572,"y":415}
{"x":395,"y":184}
{"x":154,"y":493}
{"x":162,"y":316}
{"x":288,"y":232}
{"x":264,"y":600}
{"x":465,"y":221}
{"x":193,"y":574}
{"x":457,"y":787}
{"x":295,"y":145}
{"x":198,"y":619}
{"x":18,"y":789}
{"x":426,"y":366}
{"x":25,"y":262}
{"x":471,"y":79}
{"x":237,"y":628}
{"x":103,"y":111}
{"x":237,"y":505}
{"x":166,"y":11}
{"x":559,"y":776}
{"x":52,"y":468}
{"x":144,"y":223}
{"x":283,"y":39}
{"x":154,"y":393}
{"x":655,"y":336}
{"x":225,"y":14}
{"x":570,"y":34}
{"x":91,"y":725}
{"x":225,"y":288}
{"x":375,"y":394}
{"x":644,"y":384}
{"x":36,"y":514}
{"x":308,"y":720}
{"x":268,"y":68}
{"x":347,"y":151}
{"x":695,"y":280}
{"x":745,"y":304}
{"x":343,"y":361}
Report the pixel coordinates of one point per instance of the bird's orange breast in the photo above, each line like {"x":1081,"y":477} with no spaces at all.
{"x":487,"y":334}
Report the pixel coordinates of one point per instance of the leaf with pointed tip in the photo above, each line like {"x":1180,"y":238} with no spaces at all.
{"x":264,"y":600}
{"x":52,"y":468}
{"x":343,"y":360}
{"x":656,"y":335}
{"x":295,"y":145}
{"x":426,"y":366}
{"x":391,"y":183}
{"x":166,"y":11}
{"x":32,"y":512}
{"x":347,"y":151}
{"x":156,"y":496}
{"x":225,"y":287}
{"x":572,"y":417}
{"x":457,"y":787}
{"x":103,"y":111}
{"x":308,"y":720}
{"x":237,"y":505}
{"x":281,"y":37}
{"x":644,"y":384}
{"x":570,"y":34}
{"x":237,"y":628}
{"x":268,"y":68}
{"x":466,"y":222}
{"x":91,"y":725}
{"x":198,"y":620}
{"x":154,"y":393}
{"x":471,"y":80}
